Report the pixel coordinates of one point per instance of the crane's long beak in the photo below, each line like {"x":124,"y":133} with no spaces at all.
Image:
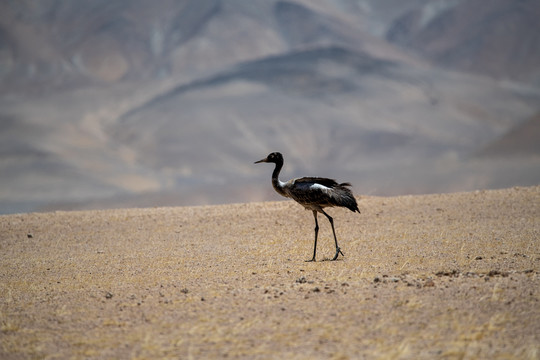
{"x":260,"y":161}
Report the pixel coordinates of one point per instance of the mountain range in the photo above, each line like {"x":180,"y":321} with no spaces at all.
{"x":135,"y":103}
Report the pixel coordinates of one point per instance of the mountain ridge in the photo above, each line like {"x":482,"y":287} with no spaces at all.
{"x":123,"y":99}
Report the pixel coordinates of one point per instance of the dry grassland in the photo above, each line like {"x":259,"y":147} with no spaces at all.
{"x":453,"y":276}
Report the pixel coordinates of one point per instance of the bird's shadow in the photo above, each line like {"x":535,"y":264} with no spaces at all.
{"x":329,"y":259}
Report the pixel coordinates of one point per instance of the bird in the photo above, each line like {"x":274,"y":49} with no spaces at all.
{"x":313,"y":193}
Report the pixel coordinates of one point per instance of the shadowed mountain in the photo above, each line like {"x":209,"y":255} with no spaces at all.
{"x":500,"y":39}
{"x":348,"y":111}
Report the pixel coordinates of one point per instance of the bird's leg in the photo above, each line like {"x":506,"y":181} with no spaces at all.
{"x":316,"y":233}
{"x":338,"y":250}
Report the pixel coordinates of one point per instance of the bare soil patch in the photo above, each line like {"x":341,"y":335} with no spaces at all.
{"x":451,"y":276}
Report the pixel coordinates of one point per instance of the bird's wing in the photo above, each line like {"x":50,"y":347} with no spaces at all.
{"x":313,"y":191}
{"x":330,"y":183}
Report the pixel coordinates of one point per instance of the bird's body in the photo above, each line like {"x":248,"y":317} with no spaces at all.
{"x":313,"y":193}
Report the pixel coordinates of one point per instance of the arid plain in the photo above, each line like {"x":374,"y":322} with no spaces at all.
{"x":452,"y":276}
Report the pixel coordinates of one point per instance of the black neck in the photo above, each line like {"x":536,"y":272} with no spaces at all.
{"x":275,"y":178}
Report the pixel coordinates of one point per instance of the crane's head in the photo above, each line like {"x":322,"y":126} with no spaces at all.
{"x":274,"y":157}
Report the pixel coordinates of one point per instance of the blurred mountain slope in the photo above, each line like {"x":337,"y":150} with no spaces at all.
{"x":135,"y":103}
{"x":500,"y":39}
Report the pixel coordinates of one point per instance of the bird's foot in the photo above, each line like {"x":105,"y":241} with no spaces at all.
{"x":338,"y":251}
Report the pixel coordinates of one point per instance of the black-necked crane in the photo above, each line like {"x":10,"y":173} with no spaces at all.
{"x":313,"y":193}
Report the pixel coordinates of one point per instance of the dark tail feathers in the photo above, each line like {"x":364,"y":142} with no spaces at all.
{"x":346,"y":198}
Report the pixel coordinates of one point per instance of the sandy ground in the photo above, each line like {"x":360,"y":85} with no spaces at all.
{"x":452,"y":276}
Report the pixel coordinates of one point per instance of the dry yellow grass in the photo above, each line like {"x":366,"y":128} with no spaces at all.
{"x":452,"y":276}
